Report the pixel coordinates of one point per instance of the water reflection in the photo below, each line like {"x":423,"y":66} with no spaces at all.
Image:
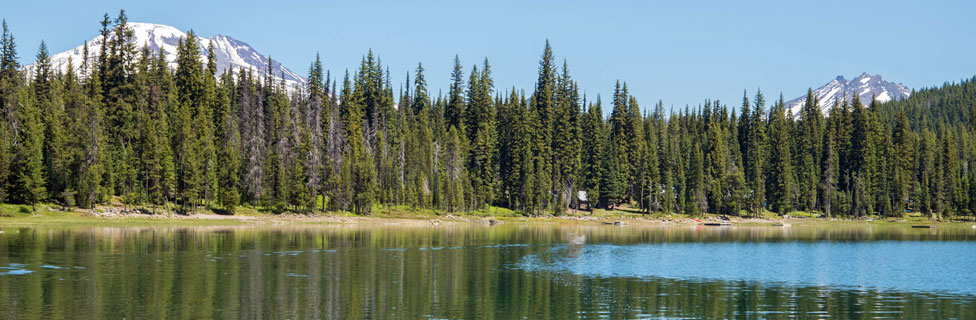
{"x":463,"y":272}
{"x":908,"y":266}
{"x":576,"y":242}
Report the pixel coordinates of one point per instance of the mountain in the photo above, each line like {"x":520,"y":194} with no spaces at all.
{"x":865,"y":86}
{"x":230,"y":52}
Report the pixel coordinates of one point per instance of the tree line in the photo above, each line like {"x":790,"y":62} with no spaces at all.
{"x":128,"y":128}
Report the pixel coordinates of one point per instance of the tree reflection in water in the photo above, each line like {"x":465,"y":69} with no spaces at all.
{"x":421,"y":272}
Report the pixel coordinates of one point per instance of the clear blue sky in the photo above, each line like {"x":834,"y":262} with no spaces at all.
{"x":678,"y":51}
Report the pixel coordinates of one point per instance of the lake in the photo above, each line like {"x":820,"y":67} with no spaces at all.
{"x":532,"y":271}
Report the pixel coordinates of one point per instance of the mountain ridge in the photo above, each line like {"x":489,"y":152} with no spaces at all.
{"x":864,"y":86}
{"x":230,"y":52}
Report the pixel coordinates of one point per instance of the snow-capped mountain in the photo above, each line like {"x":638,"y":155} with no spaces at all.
{"x":865,"y":86}
{"x":230,"y":52}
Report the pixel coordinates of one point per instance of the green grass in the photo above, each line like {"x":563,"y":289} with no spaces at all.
{"x":51,"y":215}
{"x":76,"y":220}
{"x":14,"y":210}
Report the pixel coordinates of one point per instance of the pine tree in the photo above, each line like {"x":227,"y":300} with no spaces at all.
{"x":515,"y":152}
{"x":926,"y":164}
{"x":809,"y":136}
{"x":830,"y":167}
{"x":190,"y":151}
{"x":360,"y":171}
{"x":482,"y":134}
{"x":91,"y":186}
{"x":666,"y":165}
{"x":334,"y":145}
{"x":253,"y":132}
{"x":48,"y":92}
{"x":204,"y":125}
{"x":636,"y":150}
{"x":119,"y":100}
{"x":613,"y":184}
{"x":9,"y":67}
{"x":279,"y":141}
{"x":229,"y":146}
{"x":454,"y":112}
{"x":10,"y":81}
{"x":780,"y":182}
{"x":566,"y":141}
{"x":156,"y":154}
{"x":421,"y":153}
{"x":903,"y":151}
{"x":716,"y":165}
{"x":735,"y":189}
{"x":754,"y":156}
{"x":860,"y":135}
{"x":592,"y":151}
{"x":620,"y":126}
{"x":315,"y":123}
{"x":878,"y":168}
{"x":453,"y":174}
{"x":950,"y":186}
{"x":650,"y":185}
{"x":679,"y":149}
{"x":29,"y":156}
{"x":544,"y":105}
{"x":697,"y":203}
{"x":840,"y":123}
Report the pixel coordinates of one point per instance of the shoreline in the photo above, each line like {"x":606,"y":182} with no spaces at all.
{"x":116,"y":217}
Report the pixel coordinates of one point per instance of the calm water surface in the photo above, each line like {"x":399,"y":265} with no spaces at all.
{"x":474,"y":272}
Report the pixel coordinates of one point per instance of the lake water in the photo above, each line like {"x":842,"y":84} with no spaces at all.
{"x":474,"y":272}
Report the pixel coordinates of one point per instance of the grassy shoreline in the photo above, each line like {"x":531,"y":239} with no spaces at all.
{"x":49,"y":215}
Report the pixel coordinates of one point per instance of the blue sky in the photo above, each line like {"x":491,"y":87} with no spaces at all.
{"x":679,"y":51}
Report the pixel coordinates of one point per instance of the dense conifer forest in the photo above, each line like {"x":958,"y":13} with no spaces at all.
{"x":126,"y":128}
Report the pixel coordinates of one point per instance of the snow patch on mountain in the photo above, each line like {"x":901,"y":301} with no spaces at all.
{"x":864,"y":86}
{"x":230,"y":52}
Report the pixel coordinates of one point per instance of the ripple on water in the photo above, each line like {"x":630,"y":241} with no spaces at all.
{"x":14,"y":269}
{"x":288,"y":253}
{"x":15,"y":272}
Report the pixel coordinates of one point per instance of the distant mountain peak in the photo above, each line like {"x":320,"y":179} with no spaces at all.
{"x":230,"y":52}
{"x":865,"y":86}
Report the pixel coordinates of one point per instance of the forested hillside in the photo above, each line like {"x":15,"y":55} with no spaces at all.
{"x":131,"y":129}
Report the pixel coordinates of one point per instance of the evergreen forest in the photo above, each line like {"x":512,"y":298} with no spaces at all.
{"x":124,"y":128}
